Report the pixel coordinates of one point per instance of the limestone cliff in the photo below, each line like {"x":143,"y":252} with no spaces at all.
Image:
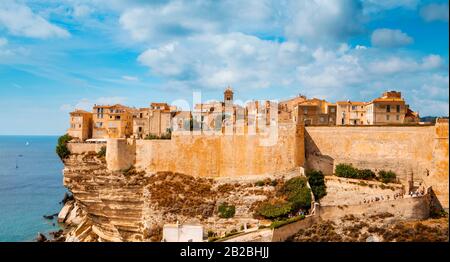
{"x":130,"y":205}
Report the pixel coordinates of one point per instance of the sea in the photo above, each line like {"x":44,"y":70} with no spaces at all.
{"x":31,"y":185}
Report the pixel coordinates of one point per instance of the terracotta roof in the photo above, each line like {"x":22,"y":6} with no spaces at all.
{"x":389,"y":99}
{"x":79,"y":111}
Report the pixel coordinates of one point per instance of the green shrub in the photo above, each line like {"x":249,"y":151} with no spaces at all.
{"x":274,"y":210}
{"x":279,"y":223}
{"x":292,"y":185}
{"x":300,"y":199}
{"x":387,"y":176}
{"x":297,"y":193}
{"x":316,"y":180}
{"x":366,"y":174}
{"x":226,"y":211}
{"x":102,"y":152}
{"x":151,"y":136}
{"x":61,"y":149}
{"x":346,"y":170}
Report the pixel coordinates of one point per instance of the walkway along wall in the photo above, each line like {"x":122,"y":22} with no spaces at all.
{"x":409,"y":208}
{"x":422,"y":150}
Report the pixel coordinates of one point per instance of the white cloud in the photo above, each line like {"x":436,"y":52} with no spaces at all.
{"x":372,"y":6}
{"x":87,"y":104}
{"x":360,"y":47}
{"x":435,"y":12}
{"x":214,"y":61}
{"x":82,"y":11}
{"x":396,"y":65}
{"x":321,"y":20}
{"x":3,"y":41}
{"x":130,"y":78}
{"x":20,"y":20}
{"x":432,"y":62}
{"x":390,"y":38}
{"x":4,"y":50}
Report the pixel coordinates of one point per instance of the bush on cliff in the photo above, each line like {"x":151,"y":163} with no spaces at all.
{"x":292,"y":196}
{"x":346,"y":170}
{"x":274,"y":209}
{"x":226,"y":211}
{"x":387,"y":176}
{"x":316,"y":181}
{"x":61,"y":149}
{"x":366,"y":174}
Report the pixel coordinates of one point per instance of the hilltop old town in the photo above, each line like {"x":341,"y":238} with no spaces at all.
{"x":158,"y":120}
{"x":295,"y":170}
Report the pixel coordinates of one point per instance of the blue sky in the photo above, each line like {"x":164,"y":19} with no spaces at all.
{"x":59,"y":55}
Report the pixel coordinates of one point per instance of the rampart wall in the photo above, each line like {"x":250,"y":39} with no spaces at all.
{"x":79,"y":148}
{"x":212,"y":155}
{"x":420,"y":150}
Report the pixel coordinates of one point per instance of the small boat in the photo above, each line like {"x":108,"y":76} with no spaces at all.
{"x":20,"y":155}
{"x":27,"y":143}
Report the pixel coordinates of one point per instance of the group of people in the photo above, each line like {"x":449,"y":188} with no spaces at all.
{"x":382,"y":198}
{"x":419,"y":192}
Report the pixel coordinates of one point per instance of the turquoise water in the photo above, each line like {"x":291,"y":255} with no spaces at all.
{"x":31,"y":190}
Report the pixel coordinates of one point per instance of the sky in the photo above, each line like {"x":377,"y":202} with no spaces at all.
{"x":56,"y":56}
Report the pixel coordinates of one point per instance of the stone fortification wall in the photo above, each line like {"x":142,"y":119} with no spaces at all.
{"x":404,"y":208}
{"x":80,"y":148}
{"x":420,"y":150}
{"x":212,"y":155}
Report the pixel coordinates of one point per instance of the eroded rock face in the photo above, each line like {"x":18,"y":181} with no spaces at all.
{"x":132,"y":205}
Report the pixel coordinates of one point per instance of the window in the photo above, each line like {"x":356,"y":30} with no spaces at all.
{"x":140,"y":115}
{"x":354,"y":122}
{"x":305,"y":110}
{"x":398,"y":117}
{"x":353,"y":107}
{"x":388,"y":108}
{"x":322,"y":119}
{"x":140,"y":129}
{"x":398,"y":109}
{"x":332,"y":110}
{"x":387,"y":117}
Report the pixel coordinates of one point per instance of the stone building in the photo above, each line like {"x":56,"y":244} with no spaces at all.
{"x":154,"y":120}
{"x":141,"y":122}
{"x":411,"y":117}
{"x":350,"y":113}
{"x":314,"y":112}
{"x":80,"y":125}
{"x":388,"y":109}
{"x":289,"y":104}
{"x":332,"y":113}
{"x":112,"y":121}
